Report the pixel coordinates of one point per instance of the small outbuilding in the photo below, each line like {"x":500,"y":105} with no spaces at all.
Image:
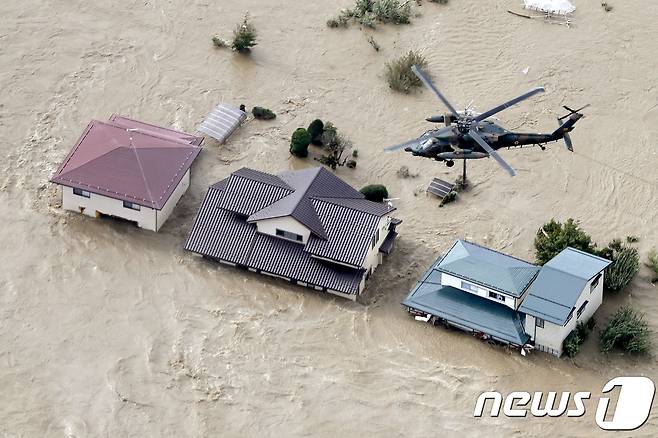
{"x":509,"y":300}
{"x":308,"y":227}
{"x":127,"y":169}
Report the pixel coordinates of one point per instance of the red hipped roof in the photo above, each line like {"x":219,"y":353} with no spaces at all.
{"x":145,"y":170}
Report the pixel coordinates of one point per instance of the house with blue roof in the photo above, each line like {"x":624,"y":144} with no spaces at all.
{"x":507,"y":299}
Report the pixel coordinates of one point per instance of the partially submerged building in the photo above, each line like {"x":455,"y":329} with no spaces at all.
{"x":307,"y":226}
{"x":507,"y":299}
{"x":127,"y":169}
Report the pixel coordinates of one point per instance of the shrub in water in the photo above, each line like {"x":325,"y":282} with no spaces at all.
{"x":554,"y":236}
{"x":335,"y":144}
{"x":299,"y":143}
{"x":399,"y":75}
{"x":571,"y":344}
{"x":625,"y":264}
{"x":369,"y":12}
{"x":244,"y":36}
{"x":263,"y":113}
{"x":375,"y":192}
{"x":628,"y":331}
{"x":316,"y":128}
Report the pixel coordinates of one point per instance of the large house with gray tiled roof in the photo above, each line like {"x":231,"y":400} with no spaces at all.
{"x":307,"y":226}
{"x":507,"y":299}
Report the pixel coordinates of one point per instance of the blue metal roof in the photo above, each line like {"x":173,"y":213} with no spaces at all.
{"x":555,"y":291}
{"x":465,"y":309}
{"x":488,"y":267}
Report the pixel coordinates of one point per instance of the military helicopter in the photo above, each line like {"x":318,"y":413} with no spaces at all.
{"x":469,"y":135}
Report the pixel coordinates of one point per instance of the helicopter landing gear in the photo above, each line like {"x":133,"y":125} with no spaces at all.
{"x":450,"y":163}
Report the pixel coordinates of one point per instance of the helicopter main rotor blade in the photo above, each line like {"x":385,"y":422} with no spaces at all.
{"x":475,"y":136}
{"x":425,"y":80}
{"x":508,"y":104}
{"x":397,"y":147}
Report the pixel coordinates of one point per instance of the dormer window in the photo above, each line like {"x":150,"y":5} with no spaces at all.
{"x":289,"y":236}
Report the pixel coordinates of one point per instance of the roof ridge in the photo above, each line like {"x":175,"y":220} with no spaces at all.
{"x":283,"y":184}
{"x":330,"y":200}
{"x":496,"y":251}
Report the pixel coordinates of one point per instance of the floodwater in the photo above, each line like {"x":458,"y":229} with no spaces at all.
{"x":110,"y":331}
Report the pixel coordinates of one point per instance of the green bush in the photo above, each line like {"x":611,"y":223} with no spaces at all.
{"x":625,"y":264}
{"x":652,"y":263}
{"x":316,"y":128}
{"x":554,"y":236}
{"x":244,"y":36}
{"x":261,"y":113}
{"x":299,"y":143}
{"x":571,"y":344}
{"x":399,"y":75}
{"x":375,"y":192}
{"x":334,"y":145}
{"x":370,"y":12}
{"x":628,"y":331}
{"x":450,"y":197}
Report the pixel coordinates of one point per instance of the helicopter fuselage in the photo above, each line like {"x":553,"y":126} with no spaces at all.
{"x":456,"y":144}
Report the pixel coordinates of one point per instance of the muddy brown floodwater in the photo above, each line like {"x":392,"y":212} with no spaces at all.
{"x":110,"y":331}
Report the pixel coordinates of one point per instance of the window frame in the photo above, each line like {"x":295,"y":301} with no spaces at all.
{"x":132,"y":206}
{"x":82,"y":193}
{"x":498,"y":297}
{"x":293,"y":237}
{"x":539,"y":322}
{"x":581,"y":309}
{"x":595,"y":282}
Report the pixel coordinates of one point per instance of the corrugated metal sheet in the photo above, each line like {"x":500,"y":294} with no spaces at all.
{"x":465,"y":309}
{"x":440,"y":188}
{"x":142,"y":167}
{"x":488,"y":267}
{"x":222,"y":122}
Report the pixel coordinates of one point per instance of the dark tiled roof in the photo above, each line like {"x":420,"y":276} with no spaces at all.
{"x":145,"y":170}
{"x":349,"y":233}
{"x":341,"y":220}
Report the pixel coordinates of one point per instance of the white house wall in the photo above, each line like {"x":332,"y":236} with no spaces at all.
{"x":450,"y":280}
{"x":145,"y":217}
{"x":374,"y":257}
{"x":169,"y":206}
{"x":552,"y":335}
{"x":286,"y":223}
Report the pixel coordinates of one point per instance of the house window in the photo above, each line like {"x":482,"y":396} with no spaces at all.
{"x":581,"y":309}
{"x":375,"y":238}
{"x":290,"y":236}
{"x":131,"y":206}
{"x":83,"y":193}
{"x":469,"y":287}
{"x":595,"y":282}
{"x":539,"y":322}
{"x":496,"y":296}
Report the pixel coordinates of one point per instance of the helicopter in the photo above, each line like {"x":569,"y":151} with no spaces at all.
{"x":468,"y":135}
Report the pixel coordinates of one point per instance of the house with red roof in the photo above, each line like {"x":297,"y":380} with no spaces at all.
{"x":127,"y":169}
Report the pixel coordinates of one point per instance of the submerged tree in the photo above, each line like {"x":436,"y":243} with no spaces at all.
{"x":370,"y":12}
{"x":299,"y":143}
{"x":554,"y":236}
{"x":334,"y":145}
{"x":628,"y":331}
{"x":399,"y":75}
{"x":244,"y":36}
